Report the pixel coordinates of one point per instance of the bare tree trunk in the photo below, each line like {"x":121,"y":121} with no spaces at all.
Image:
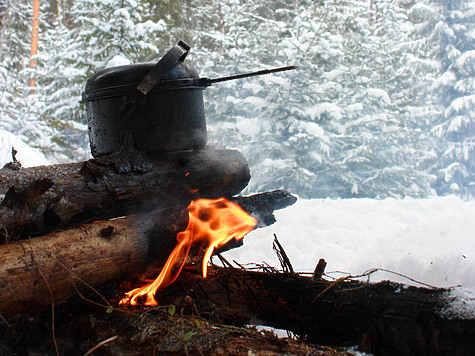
{"x":34,"y":38}
{"x":3,"y":19}
{"x":3,"y":13}
{"x":59,"y":12}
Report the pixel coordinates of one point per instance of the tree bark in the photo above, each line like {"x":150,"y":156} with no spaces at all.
{"x":38,"y":200}
{"x":384,"y":318}
{"x":34,"y":37}
{"x":94,"y":254}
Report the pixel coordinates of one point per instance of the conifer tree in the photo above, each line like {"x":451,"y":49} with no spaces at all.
{"x":100,"y":34}
{"x":381,"y":106}
{"x":336,"y":127}
{"x":454,"y":95}
{"x":20,"y":107}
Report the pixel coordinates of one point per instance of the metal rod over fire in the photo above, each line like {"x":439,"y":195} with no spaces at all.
{"x":208,"y":81}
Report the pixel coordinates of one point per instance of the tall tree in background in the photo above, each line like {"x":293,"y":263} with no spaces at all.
{"x":453,"y":43}
{"x":335,"y":127}
{"x":20,"y":108}
{"x":34,"y":38}
{"x":3,"y":14}
{"x":100,"y":33}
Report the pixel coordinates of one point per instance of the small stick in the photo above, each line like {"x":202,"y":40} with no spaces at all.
{"x":52,"y":300}
{"x":5,"y":321}
{"x":102,"y":343}
{"x":319,"y":270}
{"x":224,"y":261}
{"x":284,"y":260}
{"x":331,"y":286}
{"x":400,"y":275}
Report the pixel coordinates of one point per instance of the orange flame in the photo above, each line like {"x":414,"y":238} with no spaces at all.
{"x":212,"y":223}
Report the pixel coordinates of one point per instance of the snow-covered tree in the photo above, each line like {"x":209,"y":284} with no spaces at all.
{"x":337,"y":126}
{"x":381,"y":105}
{"x":20,"y":104}
{"x":449,"y":27}
{"x":101,"y":34}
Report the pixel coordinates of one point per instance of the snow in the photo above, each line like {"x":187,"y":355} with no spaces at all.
{"x":447,"y":79}
{"x":117,"y":60}
{"x":313,"y":129}
{"x":149,"y":26}
{"x":429,"y":240}
{"x":316,"y":111}
{"x":462,"y":304}
{"x":460,"y":104}
{"x":354,"y":107}
{"x":458,"y":123}
{"x":333,"y":74}
{"x":465,"y":63}
{"x":28,"y":156}
{"x":249,"y":127}
{"x":379,"y":94}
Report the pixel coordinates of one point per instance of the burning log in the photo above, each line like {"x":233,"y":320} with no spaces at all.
{"x":212,"y":223}
{"x":384,"y":318}
{"x":36,"y":271}
{"x":39,"y":200}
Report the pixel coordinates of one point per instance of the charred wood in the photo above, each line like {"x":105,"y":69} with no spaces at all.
{"x":90,"y":255}
{"x":383,"y":318}
{"x":38,"y":200}
{"x":261,"y":206}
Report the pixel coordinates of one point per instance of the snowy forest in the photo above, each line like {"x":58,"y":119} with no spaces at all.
{"x":382,"y":104}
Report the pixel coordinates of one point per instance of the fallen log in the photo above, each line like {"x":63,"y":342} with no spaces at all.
{"x":37,"y":271}
{"x":62,"y":261}
{"x":41,"y":199}
{"x":384,"y":318}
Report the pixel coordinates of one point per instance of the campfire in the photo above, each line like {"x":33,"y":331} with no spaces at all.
{"x":211,"y":224}
{"x":155,"y":194}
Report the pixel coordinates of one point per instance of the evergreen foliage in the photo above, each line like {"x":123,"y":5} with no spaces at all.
{"x":453,"y":44}
{"x":381,"y":106}
{"x":20,"y":107}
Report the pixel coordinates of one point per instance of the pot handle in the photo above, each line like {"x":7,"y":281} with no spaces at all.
{"x":176,"y":54}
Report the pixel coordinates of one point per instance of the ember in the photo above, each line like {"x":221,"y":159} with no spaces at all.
{"x":212,"y":223}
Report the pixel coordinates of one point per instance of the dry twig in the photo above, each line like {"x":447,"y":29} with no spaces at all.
{"x":52,"y":300}
{"x":283,"y":258}
{"x":102,"y":343}
{"x":5,"y":321}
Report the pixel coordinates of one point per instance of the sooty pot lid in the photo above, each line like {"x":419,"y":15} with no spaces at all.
{"x":133,"y":74}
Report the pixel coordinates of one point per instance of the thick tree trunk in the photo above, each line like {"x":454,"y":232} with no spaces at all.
{"x":38,"y":200}
{"x":98,"y":253}
{"x":383,"y":318}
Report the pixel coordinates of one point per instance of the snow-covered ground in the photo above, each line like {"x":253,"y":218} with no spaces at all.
{"x":27,"y":155}
{"x":429,"y":240}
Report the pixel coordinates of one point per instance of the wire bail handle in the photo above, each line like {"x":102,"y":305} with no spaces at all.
{"x":175,"y":55}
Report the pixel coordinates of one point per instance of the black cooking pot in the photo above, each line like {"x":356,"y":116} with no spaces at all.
{"x":159,"y":105}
